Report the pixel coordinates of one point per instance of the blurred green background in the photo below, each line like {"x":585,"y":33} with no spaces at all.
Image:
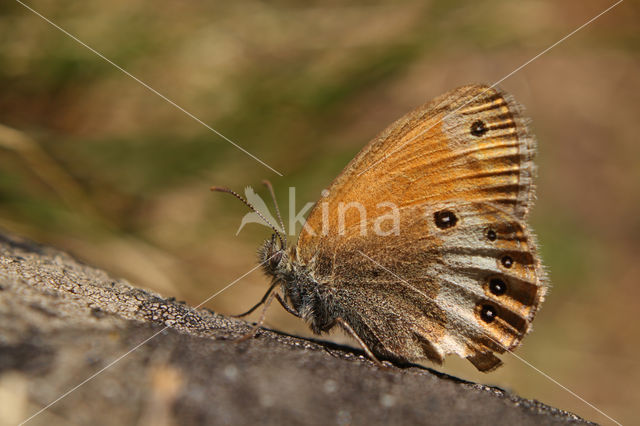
{"x":96,"y":164}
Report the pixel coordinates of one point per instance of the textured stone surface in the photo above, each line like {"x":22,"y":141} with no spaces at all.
{"x":61,"y":322}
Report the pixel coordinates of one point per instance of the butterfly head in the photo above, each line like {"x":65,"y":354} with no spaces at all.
{"x":273,"y":256}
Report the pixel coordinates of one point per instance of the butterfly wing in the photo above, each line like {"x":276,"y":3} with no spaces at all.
{"x":422,"y":238}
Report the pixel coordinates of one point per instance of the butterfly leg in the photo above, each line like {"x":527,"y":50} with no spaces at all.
{"x":363,"y":345}
{"x":258,"y":325}
{"x":264,"y":298}
{"x":286,"y":306}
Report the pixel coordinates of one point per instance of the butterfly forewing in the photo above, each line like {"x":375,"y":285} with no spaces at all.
{"x":458,"y":272}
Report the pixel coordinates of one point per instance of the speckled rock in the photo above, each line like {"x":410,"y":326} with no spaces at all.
{"x":96,"y":350}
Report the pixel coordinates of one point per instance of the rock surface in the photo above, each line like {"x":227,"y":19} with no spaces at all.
{"x":130,"y":356}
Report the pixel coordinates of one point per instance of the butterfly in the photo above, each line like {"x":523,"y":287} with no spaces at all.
{"x":442,"y":261}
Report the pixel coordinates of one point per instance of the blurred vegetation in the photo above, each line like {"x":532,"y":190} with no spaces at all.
{"x":95,"y":163}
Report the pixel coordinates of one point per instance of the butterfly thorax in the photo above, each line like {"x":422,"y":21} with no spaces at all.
{"x":311,"y":300}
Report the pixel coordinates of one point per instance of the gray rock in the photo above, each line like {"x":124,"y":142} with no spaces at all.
{"x":133,"y":357}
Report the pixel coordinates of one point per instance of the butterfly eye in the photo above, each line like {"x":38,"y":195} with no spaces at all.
{"x":497,"y":286}
{"x":488,"y":313}
{"x":478,"y":128}
{"x":491,"y":235}
{"x":507,"y":261}
{"x":445,"y":219}
{"x":275,"y":260}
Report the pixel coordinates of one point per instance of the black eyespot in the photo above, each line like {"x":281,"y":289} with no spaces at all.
{"x":488,"y":313}
{"x":478,"y":128}
{"x":507,"y":261}
{"x":491,"y":235}
{"x":445,"y":219}
{"x":497,"y":286}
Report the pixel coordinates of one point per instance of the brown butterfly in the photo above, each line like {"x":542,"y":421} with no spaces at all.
{"x":442,"y":261}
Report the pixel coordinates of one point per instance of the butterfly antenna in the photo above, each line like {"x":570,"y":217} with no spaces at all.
{"x":248,"y":204}
{"x":275,"y":202}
